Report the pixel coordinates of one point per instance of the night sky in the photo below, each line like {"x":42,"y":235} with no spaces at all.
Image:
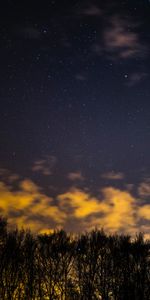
{"x":75,"y":115}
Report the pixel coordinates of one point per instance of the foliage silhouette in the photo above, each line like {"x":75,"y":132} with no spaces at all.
{"x":59,"y":266}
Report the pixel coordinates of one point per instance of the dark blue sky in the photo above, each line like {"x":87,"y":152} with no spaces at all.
{"x":75,"y":98}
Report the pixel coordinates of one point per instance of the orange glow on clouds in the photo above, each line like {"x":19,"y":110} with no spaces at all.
{"x":116,"y":210}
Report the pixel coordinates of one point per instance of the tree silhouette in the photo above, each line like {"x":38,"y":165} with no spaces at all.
{"x":59,"y":266}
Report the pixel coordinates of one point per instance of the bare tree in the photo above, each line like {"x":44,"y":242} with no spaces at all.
{"x":58,"y":266}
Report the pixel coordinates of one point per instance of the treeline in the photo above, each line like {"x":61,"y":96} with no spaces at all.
{"x":59,"y":266}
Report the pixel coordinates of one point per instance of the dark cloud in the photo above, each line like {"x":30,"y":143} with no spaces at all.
{"x":92,"y":10}
{"x":45,"y":166}
{"x":136,"y":78}
{"x":73,"y":176}
{"x":28,"y":32}
{"x":113,"y":175}
{"x":121,"y":39}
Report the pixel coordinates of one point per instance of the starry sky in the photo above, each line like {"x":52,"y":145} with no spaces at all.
{"x":75,"y":115}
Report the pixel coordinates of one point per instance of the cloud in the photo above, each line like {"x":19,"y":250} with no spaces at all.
{"x":144,"y":188}
{"x":121,"y":210}
{"x":113,"y":175}
{"x":144,"y":212}
{"x":92,"y":10}
{"x":45,"y":166}
{"x":136,"y":78}
{"x":8,"y":176}
{"x":115,"y":211}
{"x":73,"y":176}
{"x":76,"y":209}
{"x":81,"y":202}
{"x":28,"y":206}
{"x":121,"y":40}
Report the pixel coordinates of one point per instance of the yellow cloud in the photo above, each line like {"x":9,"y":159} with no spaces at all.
{"x":81,"y":202}
{"x":120,"y":209}
{"x":144,"y":212}
{"x":28,"y":206}
{"x":115,"y":210}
